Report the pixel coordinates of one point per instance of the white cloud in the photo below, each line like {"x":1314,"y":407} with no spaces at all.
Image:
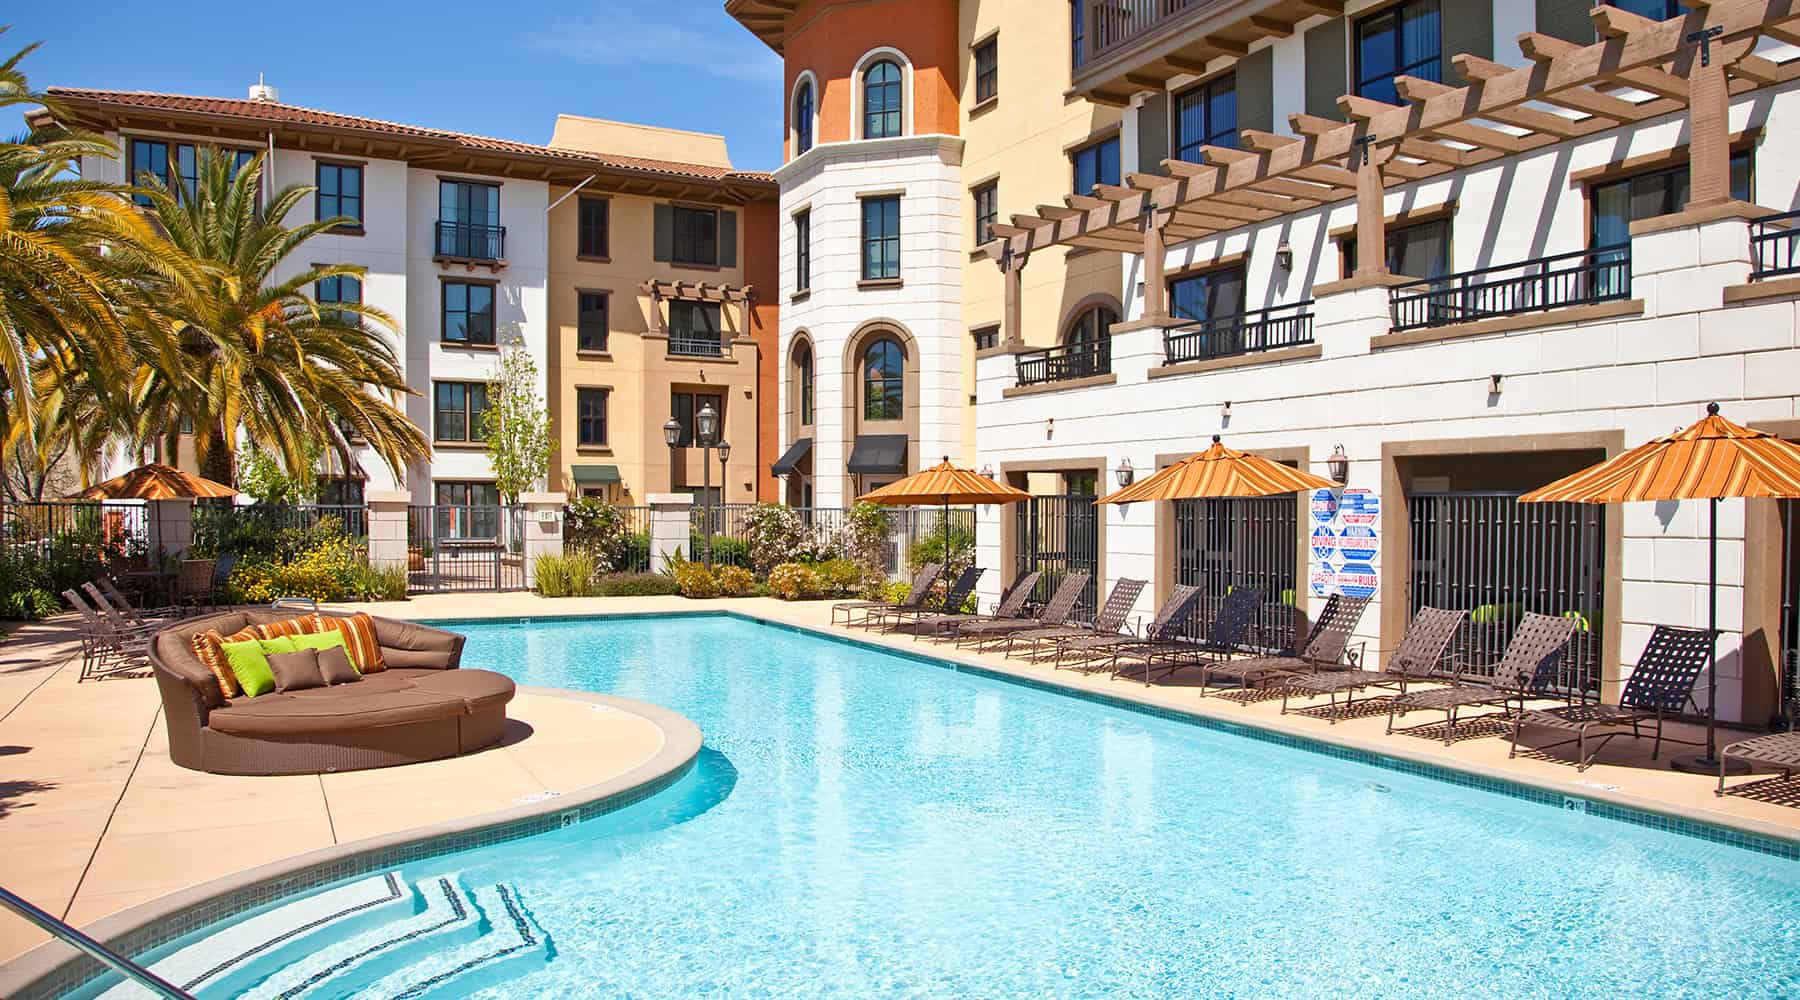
{"x":618,"y":40}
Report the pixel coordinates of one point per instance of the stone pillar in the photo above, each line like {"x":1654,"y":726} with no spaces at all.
{"x":387,"y":528}
{"x":1371,"y":223}
{"x":1012,"y":332}
{"x":669,"y":527}
{"x":543,"y":529}
{"x":169,"y":526}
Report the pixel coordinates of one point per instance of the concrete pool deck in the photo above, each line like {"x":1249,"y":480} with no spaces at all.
{"x":94,"y":818}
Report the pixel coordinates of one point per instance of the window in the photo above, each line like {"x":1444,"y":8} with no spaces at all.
{"x":881,"y":100}
{"x":1077,"y":37}
{"x":153,"y":156}
{"x":694,"y":328}
{"x":987,"y":210}
{"x":467,"y":510}
{"x":340,"y":192}
{"x":590,"y":417}
{"x":684,"y":405}
{"x":803,"y":251}
{"x":459,"y":407}
{"x":1402,"y":40}
{"x":696,"y":235}
{"x":590,"y":228}
{"x":1091,"y":326}
{"x":1655,"y":10}
{"x":884,"y":381}
{"x":803,"y":363}
{"x":1206,"y":116}
{"x":1208,"y":295}
{"x":987,"y":70}
{"x":881,"y":238}
{"x":468,"y":313}
{"x":1096,"y":164}
{"x":340,"y":491}
{"x":1421,"y":250}
{"x":986,"y":337}
{"x":468,"y":224}
{"x":339,"y":288}
{"x":1617,"y":204}
{"x":590,"y":321}
{"x":803,"y":118}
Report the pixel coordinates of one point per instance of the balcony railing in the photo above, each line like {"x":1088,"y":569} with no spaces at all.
{"x":1061,"y":364}
{"x":471,"y":241}
{"x":696,"y":345}
{"x":1773,"y":240}
{"x":1114,"y":23}
{"x":1241,"y":333}
{"x":1602,"y":274}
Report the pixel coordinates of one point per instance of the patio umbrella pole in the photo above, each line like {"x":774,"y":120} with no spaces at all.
{"x":1708,"y":763}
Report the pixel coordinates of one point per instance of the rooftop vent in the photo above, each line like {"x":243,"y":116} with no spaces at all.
{"x":260,"y":91}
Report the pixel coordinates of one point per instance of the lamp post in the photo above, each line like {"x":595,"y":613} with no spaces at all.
{"x":706,"y":435}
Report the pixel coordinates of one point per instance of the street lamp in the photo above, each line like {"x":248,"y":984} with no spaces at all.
{"x":706,"y":435}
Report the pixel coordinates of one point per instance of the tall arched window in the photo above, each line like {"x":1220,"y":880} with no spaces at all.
{"x":803,"y":373}
{"x":1092,"y":325}
{"x":803,"y":118}
{"x":884,"y":381}
{"x":881,"y":100}
{"x":1090,"y":344}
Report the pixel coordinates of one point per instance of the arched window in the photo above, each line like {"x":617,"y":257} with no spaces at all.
{"x":803,"y":118}
{"x":884,"y":381}
{"x":1092,"y":325}
{"x":803,"y":373}
{"x":881,"y":100}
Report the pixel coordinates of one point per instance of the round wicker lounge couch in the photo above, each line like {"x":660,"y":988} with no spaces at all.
{"x":421,"y":707}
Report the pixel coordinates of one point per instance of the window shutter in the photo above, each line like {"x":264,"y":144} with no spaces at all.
{"x":727,"y":238}
{"x":1566,"y":19}
{"x":663,"y":243}
{"x":1256,"y":90}
{"x":1153,"y":133}
{"x":1464,"y":26}
{"x":1327,"y":73}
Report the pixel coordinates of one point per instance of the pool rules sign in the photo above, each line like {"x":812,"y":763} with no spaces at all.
{"x":1345,"y":543}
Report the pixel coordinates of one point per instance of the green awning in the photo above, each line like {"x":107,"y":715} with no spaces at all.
{"x":596,"y":473}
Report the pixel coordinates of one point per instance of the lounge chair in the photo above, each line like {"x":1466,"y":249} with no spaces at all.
{"x":123,"y":614}
{"x":1224,"y":637}
{"x":1325,"y":649}
{"x":1011,"y":606}
{"x":108,"y":647}
{"x":1536,"y":647}
{"x":1110,"y":621}
{"x":921,"y":587}
{"x":893,"y":618}
{"x":1056,"y":611}
{"x":1420,"y":656}
{"x":1777,"y":750}
{"x":133,"y":612}
{"x":1662,"y":683}
{"x":1171,"y":618}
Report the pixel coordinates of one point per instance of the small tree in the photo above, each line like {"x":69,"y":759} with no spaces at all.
{"x":516,"y":424}
{"x":260,"y":475}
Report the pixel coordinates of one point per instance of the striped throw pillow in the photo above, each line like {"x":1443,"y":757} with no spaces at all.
{"x":208,"y":648}
{"x":359,"y":639}
{"x":303,"y":625}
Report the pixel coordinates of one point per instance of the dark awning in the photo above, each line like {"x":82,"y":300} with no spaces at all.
{"x":596,"y":473}
{"x":878,"y":453}
{"x":784,"y":466}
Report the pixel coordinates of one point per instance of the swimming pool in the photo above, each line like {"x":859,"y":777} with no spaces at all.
{"x":866,"y":824}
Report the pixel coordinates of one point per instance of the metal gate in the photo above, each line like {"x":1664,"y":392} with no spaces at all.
{"x":1221,"y":545}
{"x":1060,"y":535}
{"x":1497,"y":558}
{"x":452,"y":548}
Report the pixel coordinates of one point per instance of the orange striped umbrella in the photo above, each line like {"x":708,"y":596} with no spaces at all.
{"x":156,"y":482}
{"x":944,"y":484}
{"x":1219,"y":472}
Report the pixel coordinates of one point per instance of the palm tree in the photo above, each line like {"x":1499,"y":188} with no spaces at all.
{"x":243,"y":348}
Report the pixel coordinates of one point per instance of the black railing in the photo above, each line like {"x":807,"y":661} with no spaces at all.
{"x":471,"y":241}
{"x":1602,"y":274}
{"x":1773,"y":240}
{"x":697,"y":345}
{"x":1112,"y":23}
{"x":1070,"y":361}
{"x":1241,"y":333}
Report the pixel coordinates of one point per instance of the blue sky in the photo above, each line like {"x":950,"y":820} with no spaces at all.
{"x":501,"y":70}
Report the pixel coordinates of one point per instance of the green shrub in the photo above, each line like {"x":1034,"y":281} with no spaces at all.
{"x":385,"y":584}
{"x":865,"y":535}
{"x":735,"y":581}
{"x":567,"y":575}
{"x":773,"y":533}
{"x":726,"y":550}
{"x":29,"y":604}
{"x":599,"y":529}
{"x":333,"y":568}
{"x":930,"y":548}
{"x":693,"y":580}
{"x":794,"y":582}
{"x":635,"y":585}
{"x":840,"y":576}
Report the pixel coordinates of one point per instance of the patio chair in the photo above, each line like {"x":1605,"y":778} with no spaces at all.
{"x":1532,"y":654}
{"x":1662,"y":683}
{"x":892,"y":619}
{"x":1056,"y":611}
{"x":1012,"y":605}
{"x":194,"y":583}
{"x":136,"y":615}
{"x":1420,"y":656}
{"x":1171,"y":618}
{"x":1224,"y":638}
{"x":106,"y":647}
{"x":1326,"y":648}
{"x":1112,"y":619}
{"x":921,"y":587}
{"x":1777,"y":750}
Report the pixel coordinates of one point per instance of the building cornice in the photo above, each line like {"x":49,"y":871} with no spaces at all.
{"x":948,"y":148}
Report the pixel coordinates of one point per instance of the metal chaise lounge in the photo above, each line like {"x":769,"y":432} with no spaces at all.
{"x":109,"y":647}
{"x":123,"y":614}
{"x":140,"y":616}
{"x":1777,"y":750}
{"x":1056,"y":611}
{"x":921,"y":586}
{"x":1325,"y":647}
{"x":1536,"y":647}
{"x":1662,"y":683}
{"x":1224,"y":638}
{"x":1011,"y":606}
{"x":890,"y":619}
{"x":1171,"y":619}
{"x":1419,"y":657}
{"x":1111,"y":620}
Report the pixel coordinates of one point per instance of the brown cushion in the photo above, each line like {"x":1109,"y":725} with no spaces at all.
{"x":296,"y":671}
{"x":480,"y":689}
{"x":334,"y":666}
{"x":332,"y":710}
{"x":359,"y":637}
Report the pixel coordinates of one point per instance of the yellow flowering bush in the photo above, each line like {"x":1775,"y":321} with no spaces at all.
{"x":735,"y":581}
{"x":794,"y":581}
{"x":333,"y":568}
{"x":693,"y":580}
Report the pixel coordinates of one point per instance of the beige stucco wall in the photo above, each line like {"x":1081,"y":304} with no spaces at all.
{"x":598,"y":135}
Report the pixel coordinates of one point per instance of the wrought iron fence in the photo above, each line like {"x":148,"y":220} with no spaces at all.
{"x":1223,"y":545}
{"x":626,"y":551}
{"x":1268,"y":329}
{"x":1498,"y":559}
{"x":1602,"y":274}
{"x":221,"y":528}
{"x":471,"y":241}
{"x":697,"y":345}
{"x":1069,"y":361}
{"x":1773,"y":240}
{"x":465,"y":547}
{"x":1059,"y":535}
{"x":49,"y":547}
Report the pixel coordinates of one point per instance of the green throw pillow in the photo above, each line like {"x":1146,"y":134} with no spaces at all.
{"x":250,"y":665}
{"x":279,"y":644}
{"x":321,"y":641}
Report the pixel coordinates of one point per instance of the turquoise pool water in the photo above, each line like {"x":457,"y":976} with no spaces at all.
{"x":865,"y":824}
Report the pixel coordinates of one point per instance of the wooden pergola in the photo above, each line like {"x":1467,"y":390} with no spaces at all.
{"x":692,"y":291}
{"x":1637,"y":69}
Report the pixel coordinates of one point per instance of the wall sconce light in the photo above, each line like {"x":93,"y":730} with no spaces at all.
{"x":1124,"y":473}
{"x":1225,"y":410}
{"x":1284,"y":256}
{"x":1049,"y":426}
{"x":1496,"y":382}
{"x":1339,"y":464}
{"x":988,"y":470}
